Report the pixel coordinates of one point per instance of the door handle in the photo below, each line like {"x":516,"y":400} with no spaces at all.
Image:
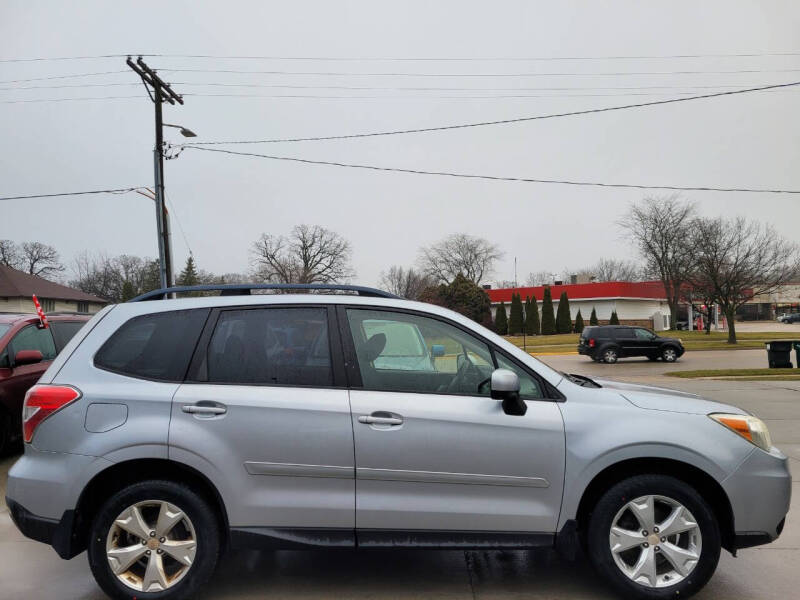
{"x":199,"y":409}
{"x":373,"y":420}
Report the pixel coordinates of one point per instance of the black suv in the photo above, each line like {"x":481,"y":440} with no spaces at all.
{"x":607,"y":343}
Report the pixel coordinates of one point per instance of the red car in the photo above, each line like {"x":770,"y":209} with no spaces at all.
{"x":26,"y":350}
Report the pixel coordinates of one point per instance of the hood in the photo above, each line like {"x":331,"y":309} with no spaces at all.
{"x":659,"y":398}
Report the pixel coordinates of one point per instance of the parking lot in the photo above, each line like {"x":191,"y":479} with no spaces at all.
{"x":32,"y":570}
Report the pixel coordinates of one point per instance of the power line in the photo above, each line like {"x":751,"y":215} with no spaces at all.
{"x":114,"y":191}
{"x":66,"y":85}
{"x":379,"y":88}
{"x":410,"y":59}
{"x":476,"y":58}
{"x":538,"y":74}
{"x":73,"y":76}
{"x":67,"y":99}
{"x":502,"y":121}
{"x":499,"y":178}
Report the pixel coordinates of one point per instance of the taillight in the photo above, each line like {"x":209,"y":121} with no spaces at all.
{"x":41,"y":401}
{"x":591,"y":342}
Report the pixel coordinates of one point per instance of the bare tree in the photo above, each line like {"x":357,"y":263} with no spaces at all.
{"x":737,"y":260}
{"x":471,"y":256}
{"x":539,"y":278}
{"x":97,"y":275}
{"x":406,"y":283}
{"x":310,"y":254}
{"x":9,"y":254}
{"x":610,"y":269}
{"x":40,"y":259}
{"x":661,"y":229}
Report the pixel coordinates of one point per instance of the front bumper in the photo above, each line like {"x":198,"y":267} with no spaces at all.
{"x":56,"y":532}
{"x":759,"y":491}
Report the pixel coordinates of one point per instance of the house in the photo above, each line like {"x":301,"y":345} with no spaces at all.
{"x":642,"y":303}
{"x":17,"y":289}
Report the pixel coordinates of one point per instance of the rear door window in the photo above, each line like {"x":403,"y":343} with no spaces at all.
{"x":270,"y":346}
{"x":156,"y":346}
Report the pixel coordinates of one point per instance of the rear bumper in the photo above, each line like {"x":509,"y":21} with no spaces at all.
{"x":55,"y":532}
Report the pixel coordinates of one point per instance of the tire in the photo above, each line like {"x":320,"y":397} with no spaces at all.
{"x":669,"y":354}
{"x":610,"y":355}
{"x":177,"y":579}
{"x":665,"y":494}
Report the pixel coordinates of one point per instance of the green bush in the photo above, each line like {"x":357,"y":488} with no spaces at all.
{"x":578,"y":322}
{"x":593,"y":318}
{"x":548,"y":317}
{"x":532,"y":326}
{"x":563,"y":318}
{"x":614,"y":318}
{"x":516,"y":319}
{"x":501,"y":320}
{"x":462,"y":296}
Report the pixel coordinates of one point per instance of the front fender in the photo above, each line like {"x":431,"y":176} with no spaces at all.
{"x":603,"y":429}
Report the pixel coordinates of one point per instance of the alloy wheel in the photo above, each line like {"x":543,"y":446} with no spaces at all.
{"x":610,"y":356}
{"x":151,"y":545}
{"x":655,"y":541}
{"x":669,"y":355}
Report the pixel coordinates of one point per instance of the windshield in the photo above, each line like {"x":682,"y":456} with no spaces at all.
{"x":3,"y":329}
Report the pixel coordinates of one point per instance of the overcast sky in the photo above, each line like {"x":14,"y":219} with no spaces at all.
{"x":224,"y":202}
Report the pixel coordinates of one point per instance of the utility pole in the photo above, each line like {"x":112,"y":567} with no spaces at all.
{"x":160,"y":93}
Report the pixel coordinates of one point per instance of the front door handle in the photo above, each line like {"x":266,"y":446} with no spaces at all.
{"x":201,"y":409}
{"x":379,"y":419}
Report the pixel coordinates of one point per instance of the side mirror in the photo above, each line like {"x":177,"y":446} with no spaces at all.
{"x":437,"y":350}
{"x":27,"y":357}
{"x":505,"y":387}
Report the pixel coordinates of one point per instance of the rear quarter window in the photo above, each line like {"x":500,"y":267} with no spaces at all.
{"x":63,"y":331}
{"x":158,"y":346}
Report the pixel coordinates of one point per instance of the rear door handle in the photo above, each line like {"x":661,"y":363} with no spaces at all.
{"x":380,"y":420}
{"x":200,"y":409}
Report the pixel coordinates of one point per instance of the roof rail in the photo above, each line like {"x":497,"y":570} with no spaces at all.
{"x":244,"y":289}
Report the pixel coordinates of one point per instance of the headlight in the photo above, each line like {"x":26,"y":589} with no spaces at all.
{"x":750,"y":428}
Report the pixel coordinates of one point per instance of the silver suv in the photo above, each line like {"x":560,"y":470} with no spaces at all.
{"x":169,"y":430}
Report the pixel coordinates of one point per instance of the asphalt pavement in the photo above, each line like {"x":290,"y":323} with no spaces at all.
{"x":29,"y":569}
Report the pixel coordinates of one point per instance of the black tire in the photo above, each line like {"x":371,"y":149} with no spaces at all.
{"x":202,"y":517}
{"x":609,"y":355}
{"x":641,"y":485}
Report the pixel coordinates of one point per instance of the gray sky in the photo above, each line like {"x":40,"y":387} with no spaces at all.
{"x":226,"y":202}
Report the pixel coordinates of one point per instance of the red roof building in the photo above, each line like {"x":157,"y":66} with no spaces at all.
{"x":641,"y":303}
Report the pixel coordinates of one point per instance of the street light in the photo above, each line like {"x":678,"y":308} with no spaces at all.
{"x":184,"y":131}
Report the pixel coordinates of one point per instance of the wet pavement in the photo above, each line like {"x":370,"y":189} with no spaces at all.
{"x":32,"y":570}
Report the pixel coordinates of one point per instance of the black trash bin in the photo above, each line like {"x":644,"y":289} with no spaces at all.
{"x":779,"y":354}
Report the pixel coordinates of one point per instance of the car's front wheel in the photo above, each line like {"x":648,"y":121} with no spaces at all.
{"x":654,"y":537}
{"x":669,"y":354}
{"x":154,"y":539}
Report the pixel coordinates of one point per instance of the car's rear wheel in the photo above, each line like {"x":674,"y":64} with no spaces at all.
{"x":154,"y":539}
{"x":654,"y":537}
{"x":610,"y":355}
{"x":669,"y":354}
